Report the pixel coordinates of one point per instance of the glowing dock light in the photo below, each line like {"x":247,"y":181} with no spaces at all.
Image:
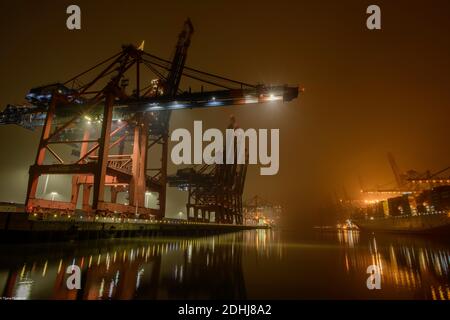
{"x":53,"y":194}
{"x":177,"y":105}
{"x":154,"y":106}
{"x":214,"y":103}
{"x":273,"y":97}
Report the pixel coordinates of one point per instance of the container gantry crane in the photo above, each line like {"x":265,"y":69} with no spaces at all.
{"x":214,"y":191}
{"x":410,"y":181}
{"x":111,"y":130}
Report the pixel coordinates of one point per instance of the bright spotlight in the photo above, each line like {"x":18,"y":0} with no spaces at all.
{"x":273,"y":97}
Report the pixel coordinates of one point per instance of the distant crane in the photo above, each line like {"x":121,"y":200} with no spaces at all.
{"x":411,"y":180}
{"x":214,"y":191}
{"x":256,"y":206}
{"x":395,"y":170}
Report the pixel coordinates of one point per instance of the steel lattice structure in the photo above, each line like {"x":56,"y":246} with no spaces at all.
{"x":111,"y":131}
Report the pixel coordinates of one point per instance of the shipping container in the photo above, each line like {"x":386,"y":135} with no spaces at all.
{"x":440,"y":198}
{"x":399,"y":206}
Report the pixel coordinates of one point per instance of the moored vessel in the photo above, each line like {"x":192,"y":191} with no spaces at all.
{"x":423,"y":223}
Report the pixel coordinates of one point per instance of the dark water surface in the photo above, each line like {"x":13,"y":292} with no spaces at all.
{"x":252,"y":264}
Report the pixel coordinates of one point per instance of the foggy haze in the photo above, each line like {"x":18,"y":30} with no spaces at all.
{"x":366,"y":92}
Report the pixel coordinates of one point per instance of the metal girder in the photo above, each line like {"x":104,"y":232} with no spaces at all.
{"x":101,"y":99}
{"x":213,"y":189}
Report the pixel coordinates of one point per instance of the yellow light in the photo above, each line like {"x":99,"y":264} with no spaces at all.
{"x":272,"y":97}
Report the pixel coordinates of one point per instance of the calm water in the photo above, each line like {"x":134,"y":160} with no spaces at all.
{"x":252,"y":264}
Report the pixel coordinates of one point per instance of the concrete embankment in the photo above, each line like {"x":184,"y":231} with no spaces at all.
{"x":18,"y":227}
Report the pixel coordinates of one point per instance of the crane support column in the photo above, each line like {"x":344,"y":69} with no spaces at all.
{"x":164,"y":161}
{"x":100,"y":172}
{"x":143,"y":142}
{"x":40,"y":157}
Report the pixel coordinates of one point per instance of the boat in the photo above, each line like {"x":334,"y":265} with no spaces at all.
{"x":433,"y":222}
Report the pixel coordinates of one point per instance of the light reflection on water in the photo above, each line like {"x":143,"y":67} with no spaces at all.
{"x":413,"y":264}
{"x":252,"y":264}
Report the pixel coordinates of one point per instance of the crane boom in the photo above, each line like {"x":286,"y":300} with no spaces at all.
{"x":179,"y":59}
{"x":30,"y":116}
{"x":86,"y":89}
{"x":395,"y":170}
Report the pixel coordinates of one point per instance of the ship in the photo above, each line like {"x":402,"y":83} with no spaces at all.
{"x":424,"y":212}
{"x":432,"y":223}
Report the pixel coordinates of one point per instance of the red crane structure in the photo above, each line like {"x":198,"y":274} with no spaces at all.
{"x":213,"y":190}
{"x":111,"y":131}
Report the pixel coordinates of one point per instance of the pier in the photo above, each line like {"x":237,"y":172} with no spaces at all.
{"x":19,"y":227}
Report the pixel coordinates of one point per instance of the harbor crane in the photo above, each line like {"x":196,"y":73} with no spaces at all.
{"x":411,"y":181}
{"x":111,"y":128}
